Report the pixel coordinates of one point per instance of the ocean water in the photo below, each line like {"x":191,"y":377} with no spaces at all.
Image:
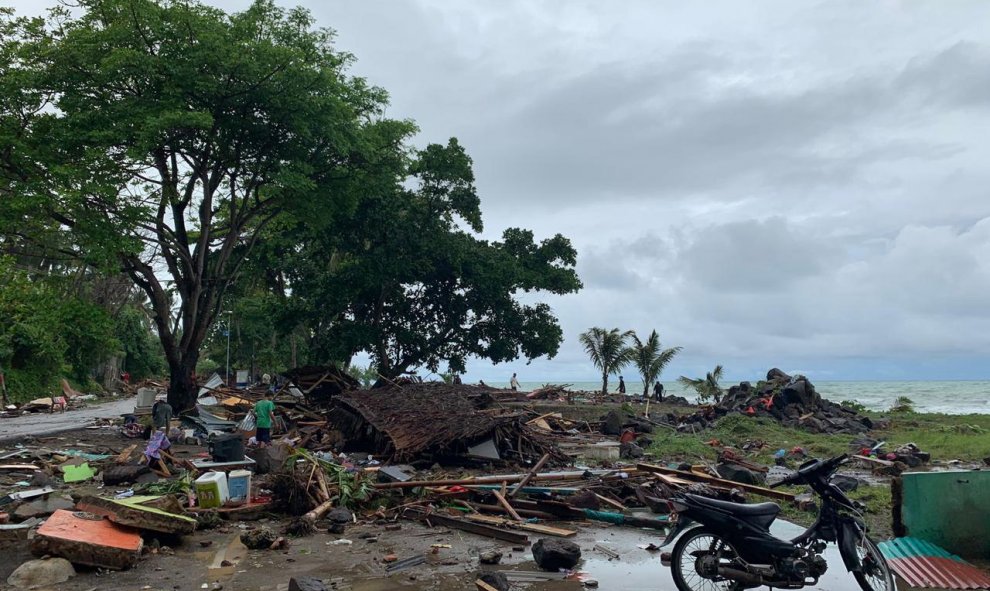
{"x":949,"y":397}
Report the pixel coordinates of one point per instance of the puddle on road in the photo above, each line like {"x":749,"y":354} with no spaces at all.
{"x":639,"y":570}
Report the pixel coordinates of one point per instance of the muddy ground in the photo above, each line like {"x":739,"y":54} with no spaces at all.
{"x":360,"y":566}
{"x":197,"y":561}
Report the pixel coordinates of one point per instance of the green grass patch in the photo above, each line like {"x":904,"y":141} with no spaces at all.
{"x":946,"y":437}
{"x":735,"y":430}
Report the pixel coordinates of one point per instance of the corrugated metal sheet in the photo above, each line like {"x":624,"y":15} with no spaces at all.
{"x":923,"y":564}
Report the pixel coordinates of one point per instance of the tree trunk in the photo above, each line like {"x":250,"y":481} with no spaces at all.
{"x":182,"y":389}
{"x":292,"y":348}
{"x":604,"y":384}
{"x":646,"y":387}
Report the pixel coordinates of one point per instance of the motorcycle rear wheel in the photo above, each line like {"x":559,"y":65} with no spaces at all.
{"x":875,"y":574}
{"x":683,"y":567}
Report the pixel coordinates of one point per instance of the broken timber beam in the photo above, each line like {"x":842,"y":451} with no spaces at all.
{"x":138,"y":516}
{"x":552,"y":476}
{"x":468,"y":526}
{"x":529,"y":475}
{"x":756,"y":490}
{"x":508,"y":508}
{"x":535,"y":528}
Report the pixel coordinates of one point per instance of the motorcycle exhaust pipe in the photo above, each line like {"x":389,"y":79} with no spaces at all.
{"x":740,"y":575}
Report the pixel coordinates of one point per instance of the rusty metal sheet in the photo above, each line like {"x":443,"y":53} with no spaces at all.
{"x":923,"y":564}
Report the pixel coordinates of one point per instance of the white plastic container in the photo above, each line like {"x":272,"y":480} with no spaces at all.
{"x":211,"y":490}
{"x":239,"y":485}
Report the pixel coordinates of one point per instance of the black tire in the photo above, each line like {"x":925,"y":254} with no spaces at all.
{"x":682,"y":567}
{"x":875,"y":574}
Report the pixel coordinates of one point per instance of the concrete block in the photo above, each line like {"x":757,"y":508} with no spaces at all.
{"x":88,"y":539}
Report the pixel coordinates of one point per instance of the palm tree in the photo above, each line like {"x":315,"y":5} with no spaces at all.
{"x":706,"y":387}
{"x":650,"y":358}
{"x":607,"y":350}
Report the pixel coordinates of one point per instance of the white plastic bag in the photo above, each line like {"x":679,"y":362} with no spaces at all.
{"x":248,"y":423}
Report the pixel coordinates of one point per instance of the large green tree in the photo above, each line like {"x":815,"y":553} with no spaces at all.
{"x":165,"y":136}
{"x":608,"y":350}
{"x":650,"y":358}
{"x":407,"y":279}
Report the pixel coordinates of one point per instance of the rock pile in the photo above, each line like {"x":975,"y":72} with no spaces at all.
{"x":794,"y":402}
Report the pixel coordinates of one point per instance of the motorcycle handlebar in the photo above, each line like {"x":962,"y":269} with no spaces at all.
{"x":812,"y":467}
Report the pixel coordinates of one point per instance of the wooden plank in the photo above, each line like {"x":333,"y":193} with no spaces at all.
{"x":501,"y":510}
{"x":542,"y":424}
{"x":530,"y":527}
{"x":126,"y":454}
{"x":468,"y":526}
{"x":672,"y":480}
{"x":501,"y":501}
{"x":542,"y":417}
{"x":757,"y":490}
{"x":483,"y":586}
{"x":608,"y":501}
{"x":30,"y":467}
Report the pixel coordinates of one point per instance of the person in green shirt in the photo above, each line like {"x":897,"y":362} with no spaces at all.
{"x":264,"y":415}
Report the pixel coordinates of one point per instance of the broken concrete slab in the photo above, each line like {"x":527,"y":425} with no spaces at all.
{"x":42,"y":507}
{"x":130,"y":512}
{"x":91,"y":540}
{"x":115,"y":475}
{"x":41,"y":573}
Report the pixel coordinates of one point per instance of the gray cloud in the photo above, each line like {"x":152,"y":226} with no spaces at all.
{"x":783,"y":183}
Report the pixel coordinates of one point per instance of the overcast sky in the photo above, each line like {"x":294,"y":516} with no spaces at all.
{"x":792,"y":184}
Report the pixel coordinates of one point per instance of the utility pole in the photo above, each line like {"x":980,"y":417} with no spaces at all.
{"x":227,"y":377}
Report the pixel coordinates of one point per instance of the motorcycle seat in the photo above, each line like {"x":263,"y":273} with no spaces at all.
{"x":761,"y":512}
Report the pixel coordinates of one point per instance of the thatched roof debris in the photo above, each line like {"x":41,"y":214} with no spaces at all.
{"x":444,"y":420}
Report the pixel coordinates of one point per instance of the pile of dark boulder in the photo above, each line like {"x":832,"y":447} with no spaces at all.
{"x":793,"y":401}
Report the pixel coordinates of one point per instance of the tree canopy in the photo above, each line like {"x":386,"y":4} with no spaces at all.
{"x":227,"y":162}
{"x":406,"y":279}
{"x":166,"y":136}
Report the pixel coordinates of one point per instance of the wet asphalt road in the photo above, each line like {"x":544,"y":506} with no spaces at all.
{"x":45,"y":424}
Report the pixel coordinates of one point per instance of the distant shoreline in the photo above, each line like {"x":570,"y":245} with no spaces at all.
{"x":954,"y":397}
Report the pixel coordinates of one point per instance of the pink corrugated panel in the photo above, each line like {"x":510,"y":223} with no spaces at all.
{"x":939,"y":572}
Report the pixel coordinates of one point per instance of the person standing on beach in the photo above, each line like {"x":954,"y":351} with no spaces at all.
{"x":658,"y":391}
{"x":514,"y":383}
{"x":622,"y":385}
{"x":264,"y":415}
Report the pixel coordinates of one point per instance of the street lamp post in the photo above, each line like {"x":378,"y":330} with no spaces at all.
{"x":227,"y":376}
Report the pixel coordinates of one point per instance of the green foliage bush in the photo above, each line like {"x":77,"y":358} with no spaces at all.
{"x":46,"y":335}
{"x":853,"y":405}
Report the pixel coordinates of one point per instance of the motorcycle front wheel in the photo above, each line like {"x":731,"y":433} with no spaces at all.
{"x":875,"y":573}
{"x":694,"y":547}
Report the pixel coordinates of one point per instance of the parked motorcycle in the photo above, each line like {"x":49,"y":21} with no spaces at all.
{"x":728,"y":546}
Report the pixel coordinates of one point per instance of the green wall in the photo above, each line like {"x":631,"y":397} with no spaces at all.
{"x":950,"y":509}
